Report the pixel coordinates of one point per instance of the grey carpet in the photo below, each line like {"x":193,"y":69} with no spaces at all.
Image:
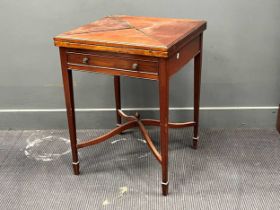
{"x":232,"y":169}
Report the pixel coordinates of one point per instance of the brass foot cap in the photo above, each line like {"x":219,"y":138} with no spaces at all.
{"x":195,"y":142}
{"x":76,"y":168}
{"x":164,"y":188}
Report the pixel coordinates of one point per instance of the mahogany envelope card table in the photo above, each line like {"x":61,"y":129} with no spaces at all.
{"x":140,"y":47}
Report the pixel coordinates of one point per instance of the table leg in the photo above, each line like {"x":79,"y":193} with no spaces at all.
{"x":69,"y":100}
{"x":197,"y":81}
{"x":117,"y":87}
{"x":164,"y":107}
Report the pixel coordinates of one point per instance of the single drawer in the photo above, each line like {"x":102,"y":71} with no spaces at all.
{"x":112,"y":62}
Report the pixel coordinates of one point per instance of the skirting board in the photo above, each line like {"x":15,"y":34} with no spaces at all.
{"x":210,"y":117}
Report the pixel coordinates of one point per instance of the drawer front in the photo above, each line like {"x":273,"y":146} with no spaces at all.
{"x":112,"y":62}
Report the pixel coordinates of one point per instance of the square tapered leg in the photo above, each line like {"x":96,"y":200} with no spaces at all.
{"x":164,"y":112}
{"x":69,"y":100}
{"x":197,"y":81}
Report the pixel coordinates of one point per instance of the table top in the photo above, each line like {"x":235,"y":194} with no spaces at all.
{"x":150,"y":36}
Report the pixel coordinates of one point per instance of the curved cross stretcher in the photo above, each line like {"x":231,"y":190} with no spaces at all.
{"x":134,"y":121}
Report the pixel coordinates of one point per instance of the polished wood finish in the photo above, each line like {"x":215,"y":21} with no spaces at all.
{"x":183,"y":56}
{"x":69,"y":100}
{"x":125,"y":116}
{"x":152,"y":122}
{"x":197,"y":80}
{"x":117,"y":88}
{"x":164,"y":113}
{"x":144,"y":132}
{"x":116,"y":72}
{"x":112,"y":62}
{"x":140,"y":47}
{"x":149,"y":141}
{"x":158,"y":37}
{"x":106,"y":136}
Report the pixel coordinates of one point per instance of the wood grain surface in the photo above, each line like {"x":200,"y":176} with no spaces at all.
{"x":149,"y":36}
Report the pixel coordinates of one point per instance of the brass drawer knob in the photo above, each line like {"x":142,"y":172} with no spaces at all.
{"x":85,"y":60}
{"x":135,"y":66}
